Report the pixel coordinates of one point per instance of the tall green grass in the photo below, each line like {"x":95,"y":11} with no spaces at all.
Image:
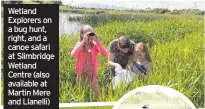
{"x":176,"y":48}
{"x":108,"y":17}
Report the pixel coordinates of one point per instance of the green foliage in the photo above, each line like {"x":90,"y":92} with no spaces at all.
{"x":176,"y":50}
{"x":29,"y":2}
{"x":159,"y":31}
{"x":82,"y":10}
{"x":176,"y":47}
{"x":160,"y":10}
{"x":187,"y":11}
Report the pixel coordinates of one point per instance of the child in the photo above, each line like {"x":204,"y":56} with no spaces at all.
{"x":86,"y":50}
{"x":141,"y":61}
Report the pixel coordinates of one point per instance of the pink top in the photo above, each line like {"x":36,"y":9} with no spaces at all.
{"x":80,"y":53}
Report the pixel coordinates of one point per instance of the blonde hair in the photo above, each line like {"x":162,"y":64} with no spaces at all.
{"x":83,"y":29}
{"x":142,"y":47}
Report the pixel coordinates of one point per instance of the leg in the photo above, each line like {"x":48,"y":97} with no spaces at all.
{"x":93,"y":81}
{"x":78,"y":80}
{"x":81,"y":79}
{"x":94,"y":84}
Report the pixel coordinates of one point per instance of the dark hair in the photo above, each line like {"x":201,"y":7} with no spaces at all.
{"x":124,"y":42}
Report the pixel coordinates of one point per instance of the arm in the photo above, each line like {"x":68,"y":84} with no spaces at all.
{"x":79,"y":45}
{"x":111,"y":56}
{"x":149,"y":68}
{"x":76,"y":49}
{"x":101,"y":48}
{"x":132,"y":47}
{"x":130,"y":64}
{"x":111,"y":63}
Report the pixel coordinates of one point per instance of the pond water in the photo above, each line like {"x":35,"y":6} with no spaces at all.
{"x":67,"y":26}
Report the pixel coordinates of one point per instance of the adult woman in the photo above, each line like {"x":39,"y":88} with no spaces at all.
{"x":119,"y":53}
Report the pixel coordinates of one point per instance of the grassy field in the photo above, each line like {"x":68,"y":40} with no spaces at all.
{"x":176,"y":47}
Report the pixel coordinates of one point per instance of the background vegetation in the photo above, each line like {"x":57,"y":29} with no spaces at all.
{"x":176,"y":47}
{"x":68,"y":8}
{"x":176,"y":44}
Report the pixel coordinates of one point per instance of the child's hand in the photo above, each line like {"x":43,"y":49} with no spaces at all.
{"x":85,"y":38}
{"x":128,"y":67}
{"x":95,"y":37}
{"x":117,"y":65}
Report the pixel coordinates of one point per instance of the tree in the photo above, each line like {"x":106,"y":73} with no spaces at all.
{"x":12,"y":2}
{"x":57,"y":2}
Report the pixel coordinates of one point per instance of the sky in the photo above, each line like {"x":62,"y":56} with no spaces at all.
{"x":143,"y":4}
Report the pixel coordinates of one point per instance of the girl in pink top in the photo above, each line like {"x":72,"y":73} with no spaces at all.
{"x":86,"y":51}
